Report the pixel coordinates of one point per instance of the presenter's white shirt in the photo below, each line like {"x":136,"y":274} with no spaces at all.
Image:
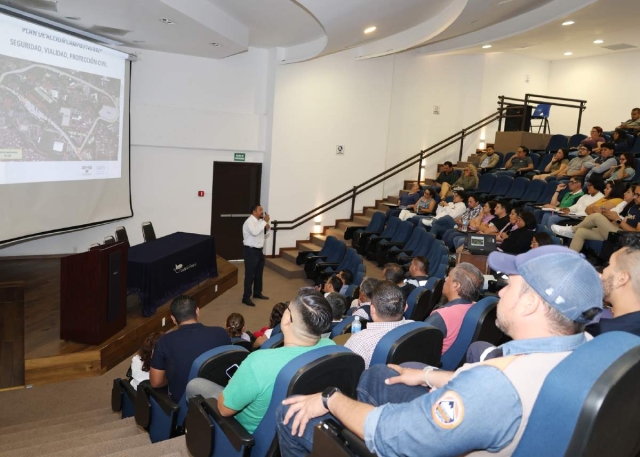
{"x":253,"y":232}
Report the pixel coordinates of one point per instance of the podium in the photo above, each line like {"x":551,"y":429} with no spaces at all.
{"x":93,"y":294}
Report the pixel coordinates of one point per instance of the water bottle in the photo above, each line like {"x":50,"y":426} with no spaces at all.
{"x":356,"y":325}
{"x":465,"y":225}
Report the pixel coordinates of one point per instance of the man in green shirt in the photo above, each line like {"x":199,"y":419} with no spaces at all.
{"x":248,"y":394}
{"x":569,"y":199}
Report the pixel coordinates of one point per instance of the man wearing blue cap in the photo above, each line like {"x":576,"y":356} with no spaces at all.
{"x":552,"y":293}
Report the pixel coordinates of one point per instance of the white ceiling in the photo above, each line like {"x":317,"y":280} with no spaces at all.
{"x":304,"y":29}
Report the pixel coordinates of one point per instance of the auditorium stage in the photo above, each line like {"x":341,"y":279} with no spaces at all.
{"x":50,"y":359}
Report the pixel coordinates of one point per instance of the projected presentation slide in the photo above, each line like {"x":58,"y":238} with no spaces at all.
{"x":61,"y":106}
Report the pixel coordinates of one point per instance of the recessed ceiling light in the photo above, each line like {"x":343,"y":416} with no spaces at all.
{"x":72,"y":18}
{"x":370,"y":29}
{"x":486,"y":46}
{"x":568,"y":23}
{"x":215,"y":45}
{"x":568,"y":53}
{"x":598,"y":42}
{"x":167,"y":21}
{"x":138,"y":41}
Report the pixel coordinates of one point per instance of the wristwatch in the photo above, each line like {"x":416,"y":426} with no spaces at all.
{"x":326,"y":394}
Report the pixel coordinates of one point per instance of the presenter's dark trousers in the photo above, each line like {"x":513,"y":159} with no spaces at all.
{"x":253,"y":267}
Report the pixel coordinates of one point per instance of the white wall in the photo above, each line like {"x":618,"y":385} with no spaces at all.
{"x":186,"y":113}
{"x":607,"y":82}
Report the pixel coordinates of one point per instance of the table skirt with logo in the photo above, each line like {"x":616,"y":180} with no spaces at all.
{"x":161,"y":269}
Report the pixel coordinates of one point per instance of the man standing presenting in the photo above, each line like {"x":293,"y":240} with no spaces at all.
{"x":253,"y":232}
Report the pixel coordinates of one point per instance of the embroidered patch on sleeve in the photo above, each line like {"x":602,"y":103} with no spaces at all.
{"x":448,"y":410}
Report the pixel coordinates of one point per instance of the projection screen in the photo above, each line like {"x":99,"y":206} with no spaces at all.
{"x":64,"y":132}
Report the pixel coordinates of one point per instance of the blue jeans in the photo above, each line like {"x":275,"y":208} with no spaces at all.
{"x":553,"y":219}
{"x":459,"y":241}
{"x":440,"y":226}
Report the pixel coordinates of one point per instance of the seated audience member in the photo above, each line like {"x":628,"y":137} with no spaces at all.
{"x":440,"y":225}
{"x":347,"y":279}
{"x":518,"y":164}
{"x":418,"y":271}
{"x":619,"y":139}
{"x":425,"y":206}
{"x":453,"y":238}
{"x":594,"y":193}
{"x":500,"y":221}
{"x":621,"y":284}
{"x":387,"y":308}
{"x":519,"y":240}
{"x":235,"y":327}
{"x":569,"y":199}
{"x":623,"y":172}
{"x":633,"y":124}
{"x":576,"y":165}
{"x":274,"y":319}
{"x":447,"y":175}
{"x":462,"y":286}
{"x":175,"y":351}
{"x":489,"y":160}
{"x":541,"y":239}
{"x":468,"y":181}
{"x":332,"y":284}
{"x":406,"y":201}
{"x":552,"y":293}
{"x":558,"y":165}
{"x":613,"y":196}
{"x":602,"y":163}
{"x":395,"y":274}
{"x":362,"y":305}
{"x":141,"y":362}
{"x":502,"y":235}
{"x":597,"y":226}
{"x":248,"y":394}
{"x":453,"y":209}
{"x":595,"y":137}
{"x":338,"y":307}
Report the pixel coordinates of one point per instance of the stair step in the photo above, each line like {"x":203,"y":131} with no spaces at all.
{"x":307,"y":246}
{"x":285,"y":268}
{"x":290,"y":254}
{"x":392,"y":199}
{"x":103,"y":448}
{"x":362,"y":220}
{"x":71,"y":440}
{"x":369,"y":212}
{"x":55,"y":420}
{"x":339,"y":234}
{"x":55,"y":429}
{"x":171,"y":448}
{"x":382,"y":207}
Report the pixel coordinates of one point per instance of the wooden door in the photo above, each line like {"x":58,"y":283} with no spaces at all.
{"x":236,"y":187}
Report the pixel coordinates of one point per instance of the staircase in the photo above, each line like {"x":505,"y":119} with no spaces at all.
{"x":94,"y":433}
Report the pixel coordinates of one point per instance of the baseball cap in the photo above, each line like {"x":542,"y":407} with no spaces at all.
{"x":562,"y":277}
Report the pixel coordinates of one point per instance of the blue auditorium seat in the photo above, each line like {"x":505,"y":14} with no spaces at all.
{"x":412,"y":342}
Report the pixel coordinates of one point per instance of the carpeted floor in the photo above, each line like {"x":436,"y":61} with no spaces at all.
{"x":54,"y":400}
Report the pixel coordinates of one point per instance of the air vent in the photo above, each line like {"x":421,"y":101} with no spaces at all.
{"x":619,"y":47}
{"x":99,"y":29}
{"x":36,"y":4}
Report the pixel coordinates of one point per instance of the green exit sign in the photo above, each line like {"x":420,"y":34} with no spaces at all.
{"x":238,"y":157}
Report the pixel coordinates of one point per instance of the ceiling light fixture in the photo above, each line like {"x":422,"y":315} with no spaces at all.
{"x":215,"y":45}
{"x":167,"y":21}
{"x":370,"y":29}
{"x":598,"y":42}
{"x":486,"y":46}
{"x":568,"y":53}
{"x":568,"y":23}
{"x":72,"y":18}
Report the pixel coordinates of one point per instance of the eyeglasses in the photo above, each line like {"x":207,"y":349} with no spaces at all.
{"x":573,"y":182}
{"x":290,"y":313}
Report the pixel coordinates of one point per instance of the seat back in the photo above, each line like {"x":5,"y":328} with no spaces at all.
{"x":548,"y":192}
{"x":575,"y":140}
{"x":541,"y":111}
{"x":123,"y":398}
{"x":412,"y":301}
{"x":147,"y":231}
{"x":347,"y":263}
{"x":508,"y":156}
{"x":109,"y":240}
{"x":121,"y":234}
{"x":518,"y":188}
{"x":412,"y":342}
{"x":502,"y":186}
{"x":417,"y":235}
{"x":338,"y":251}
{"x":486,"y":183}
{"x":276,"y":341}
{"x":597,"y":389}
{"x":544,"y":161}
{"x":556,"y":142}
{"x":435,"y":285}
{"x":535,"y":160}
{"x":435,"y":256}
{"x":426,"y":243}
{"x":500,"y":163}
{"x":403,"y":233}
{"x":534,"y":191}
{"x":421,"y":306}
{"x":636,"y":146}
{"x":391,"y":227}
{"x":376,"y":224}
{"x":473,"y":325}
{"x":341,"y":326}
{"x":276,"y":330}
{"x":330,"y":243}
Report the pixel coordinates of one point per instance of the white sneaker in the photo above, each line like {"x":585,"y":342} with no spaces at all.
{"x":427,"y":222}
{"x":563,"y":230}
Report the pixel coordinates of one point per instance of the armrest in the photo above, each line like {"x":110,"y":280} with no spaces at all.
{"x":395,"y":243}
{"x":326,"y":264}
{"x":355,"y":444}
{"x":315,"y":257}
{"x":166,"y":404}
{"x":235,"y":433}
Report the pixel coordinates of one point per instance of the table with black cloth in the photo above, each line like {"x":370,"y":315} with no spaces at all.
{"x":163,"y":268}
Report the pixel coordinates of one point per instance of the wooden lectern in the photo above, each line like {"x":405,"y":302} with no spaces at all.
{"x":93,"y":294}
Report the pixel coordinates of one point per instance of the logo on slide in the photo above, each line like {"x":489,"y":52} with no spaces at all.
{"x":87,"y":169}
{"x":179,"y":268}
